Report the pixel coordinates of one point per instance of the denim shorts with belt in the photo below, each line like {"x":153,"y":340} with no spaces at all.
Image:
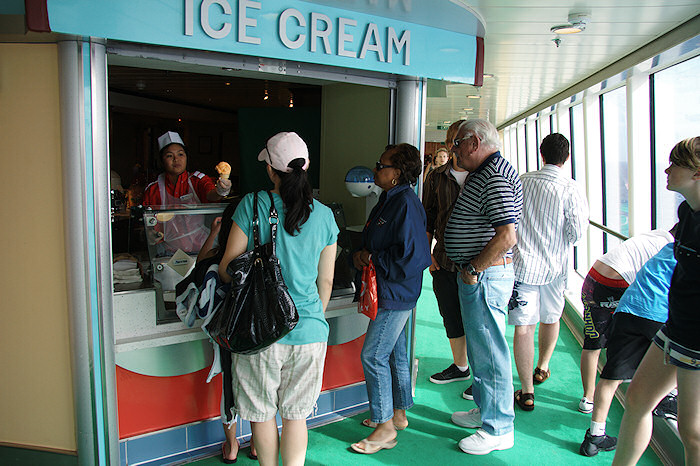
{"x":484,"y":311}
{"x":385,"y":363}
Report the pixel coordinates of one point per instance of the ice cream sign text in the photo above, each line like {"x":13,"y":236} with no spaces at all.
{"x":315,"y":32}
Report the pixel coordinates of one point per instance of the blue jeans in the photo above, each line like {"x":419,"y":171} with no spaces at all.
{"x":484,"y":310}
{"x":385,"y":363}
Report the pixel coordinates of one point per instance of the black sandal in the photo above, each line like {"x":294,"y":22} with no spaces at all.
{"x":521,"y":400}
{"x":540,"y":376}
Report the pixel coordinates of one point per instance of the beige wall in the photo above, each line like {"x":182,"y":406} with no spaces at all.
{"x":36,"y":405}
{"x":354,"y":131}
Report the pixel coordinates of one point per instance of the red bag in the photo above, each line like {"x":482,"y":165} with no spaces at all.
{"x":368,"y":291}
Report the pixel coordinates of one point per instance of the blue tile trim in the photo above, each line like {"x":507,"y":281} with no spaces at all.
{"x":157,"y":445}
{"x":203,"y":434}
{"x":203,"y":439}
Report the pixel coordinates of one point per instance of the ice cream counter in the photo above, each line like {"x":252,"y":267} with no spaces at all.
{"x":162,"y":364}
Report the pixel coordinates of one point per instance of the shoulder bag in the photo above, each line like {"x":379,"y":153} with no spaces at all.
{"x":258,"y":310}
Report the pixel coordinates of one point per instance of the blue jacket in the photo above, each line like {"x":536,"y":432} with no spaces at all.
{"x":395,"y":236}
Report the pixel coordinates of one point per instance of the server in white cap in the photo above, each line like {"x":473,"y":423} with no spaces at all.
{"x":176,"y":186}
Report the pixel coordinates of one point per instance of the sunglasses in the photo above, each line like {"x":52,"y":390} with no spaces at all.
{"x":381,"y":166}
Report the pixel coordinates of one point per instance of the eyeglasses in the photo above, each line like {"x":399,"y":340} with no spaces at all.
{"x":381,"y":166}
{"x":457,"y":142}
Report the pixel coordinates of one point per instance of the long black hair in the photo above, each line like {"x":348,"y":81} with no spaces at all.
{"x":296,"y":194}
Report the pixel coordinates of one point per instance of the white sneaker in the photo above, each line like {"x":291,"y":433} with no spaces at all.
{"x":470,"y":419}
{"x":481,"y":442}
{"x":585,"y":406}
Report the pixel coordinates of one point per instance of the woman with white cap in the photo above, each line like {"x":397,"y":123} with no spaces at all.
{"x":286,"y":377}
{"x":176,"y":186}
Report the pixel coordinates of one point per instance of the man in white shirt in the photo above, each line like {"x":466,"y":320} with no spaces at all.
{"x":555,"y":216}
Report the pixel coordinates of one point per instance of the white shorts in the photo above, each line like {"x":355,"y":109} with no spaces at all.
{"x":537,"y":303}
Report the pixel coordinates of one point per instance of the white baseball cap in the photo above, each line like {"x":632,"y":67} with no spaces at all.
{"x":282,"y":148}
{"x":169,"y":137}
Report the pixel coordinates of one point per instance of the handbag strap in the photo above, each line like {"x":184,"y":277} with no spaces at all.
{"x":256,"y":230}
{"x":273,"y":219}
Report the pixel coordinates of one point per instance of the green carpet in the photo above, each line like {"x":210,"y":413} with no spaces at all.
{"x":551,"y":434}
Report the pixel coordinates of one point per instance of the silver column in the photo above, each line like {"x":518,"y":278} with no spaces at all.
{"x":82,"y":87}
{"x":410,"y":127}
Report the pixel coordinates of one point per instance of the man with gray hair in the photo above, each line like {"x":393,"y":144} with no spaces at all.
{"x":478,"y":238}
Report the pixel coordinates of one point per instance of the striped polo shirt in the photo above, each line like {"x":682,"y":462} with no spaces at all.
{"x":492,"y":196}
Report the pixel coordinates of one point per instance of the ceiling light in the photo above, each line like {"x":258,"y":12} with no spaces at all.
{"x":291,"y":101}
{"x":266,"y":96}
{"x":577,"y":23}
{"x":488,"y":75}
{"x":473,"y":97}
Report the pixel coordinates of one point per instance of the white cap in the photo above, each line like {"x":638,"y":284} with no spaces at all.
{"x":282,"y":148}
{"x":169,"y":137}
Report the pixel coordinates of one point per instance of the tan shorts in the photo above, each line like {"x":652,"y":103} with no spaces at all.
{"x":284,"y":378}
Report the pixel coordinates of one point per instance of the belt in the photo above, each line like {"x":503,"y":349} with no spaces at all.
{"x":502,"y":261}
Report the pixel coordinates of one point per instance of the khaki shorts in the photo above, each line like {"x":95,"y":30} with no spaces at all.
{"x":284,"y":378}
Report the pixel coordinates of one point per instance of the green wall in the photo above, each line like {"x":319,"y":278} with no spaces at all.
{"x":257,"y":125}
{"x":354,"y":131}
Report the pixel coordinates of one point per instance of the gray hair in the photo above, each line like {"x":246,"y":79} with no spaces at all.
{"x":484,"y":130}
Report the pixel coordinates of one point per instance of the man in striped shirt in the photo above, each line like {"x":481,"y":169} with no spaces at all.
{"x":555,"y":216}
{"x":478,"y":238}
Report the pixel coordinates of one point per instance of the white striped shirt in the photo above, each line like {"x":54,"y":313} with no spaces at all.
{"x":555,"y":216}
{"x":491,"y":197}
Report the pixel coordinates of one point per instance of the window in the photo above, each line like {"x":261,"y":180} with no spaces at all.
{"x":578,"y":172}
{"x":532,"y":144}
{"x":615,"y":180}
{"x":676,"y":117}
{"x":522,"y":153}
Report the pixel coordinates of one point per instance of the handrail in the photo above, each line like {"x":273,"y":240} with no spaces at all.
{"x":608,"y":230}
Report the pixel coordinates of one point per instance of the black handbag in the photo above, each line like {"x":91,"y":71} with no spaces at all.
{"x":257,"y":310}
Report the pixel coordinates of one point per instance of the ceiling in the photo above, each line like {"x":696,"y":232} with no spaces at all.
{"x":528,"y":68}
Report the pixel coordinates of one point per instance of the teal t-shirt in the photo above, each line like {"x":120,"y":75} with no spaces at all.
{"x":298,"y":256}
{"x":647,"y":296}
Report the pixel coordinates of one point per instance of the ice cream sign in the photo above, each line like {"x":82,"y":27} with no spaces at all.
{"x":317,"y":32}
{"x":375,"y":37}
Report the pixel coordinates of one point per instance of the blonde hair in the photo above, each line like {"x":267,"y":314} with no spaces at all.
{"x":686,"y":153}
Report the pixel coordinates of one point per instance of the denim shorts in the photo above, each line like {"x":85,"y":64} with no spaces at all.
{"x":676,"y":354}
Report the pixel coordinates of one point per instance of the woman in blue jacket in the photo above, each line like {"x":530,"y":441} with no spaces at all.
{"x":394,"y":240}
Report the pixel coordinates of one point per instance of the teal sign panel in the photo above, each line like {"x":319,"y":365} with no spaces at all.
{"x":276,"y":29}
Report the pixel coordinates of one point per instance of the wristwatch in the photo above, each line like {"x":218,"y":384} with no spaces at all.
{"x":470,"y":269}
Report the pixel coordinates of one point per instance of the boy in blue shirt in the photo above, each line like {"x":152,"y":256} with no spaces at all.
{"x":642,"y":311}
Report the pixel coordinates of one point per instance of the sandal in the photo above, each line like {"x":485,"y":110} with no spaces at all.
{"x":223,"y":454}
{"x":521,"y":399}
{"x":373,"y":425}
{"x":369,"y":447}
{"x":540,"y":376}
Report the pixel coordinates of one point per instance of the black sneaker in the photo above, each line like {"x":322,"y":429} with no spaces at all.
{"x":592,"y":444}
{"x":467,"y":395}
{"x":451,"y":374}
{"x":667,"y":408}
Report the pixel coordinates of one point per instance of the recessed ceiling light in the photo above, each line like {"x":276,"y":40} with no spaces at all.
{"x":488,"y":75}
{"x":473,"y":97}
{"x":577,"y":23}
